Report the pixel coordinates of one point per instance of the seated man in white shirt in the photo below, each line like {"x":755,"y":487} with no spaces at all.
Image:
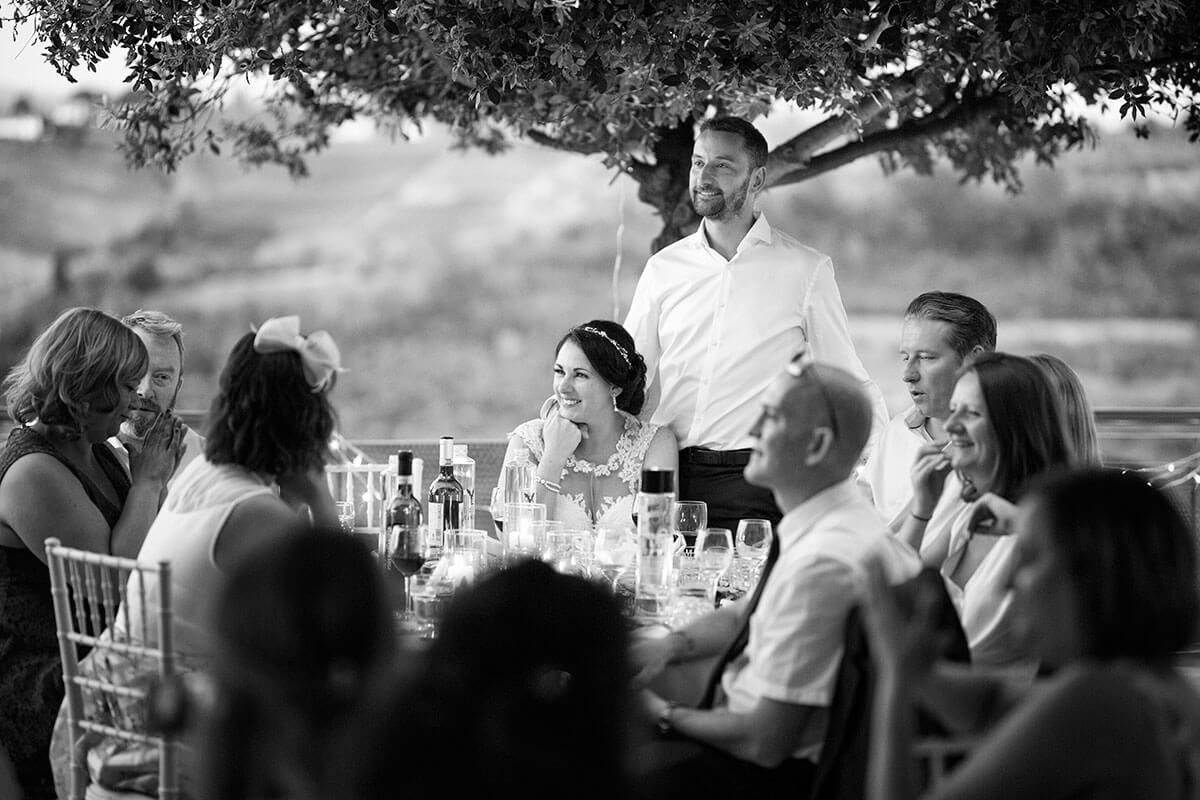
{"x":759,"y":728}
{"x":941,"y":331}
{"x":159,"y":387}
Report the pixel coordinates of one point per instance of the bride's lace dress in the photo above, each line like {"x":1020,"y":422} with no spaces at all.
{"x":596,"y":493}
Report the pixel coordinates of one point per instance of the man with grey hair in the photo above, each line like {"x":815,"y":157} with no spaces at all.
{"x":159,"y":387}
{"x":941,"y":332}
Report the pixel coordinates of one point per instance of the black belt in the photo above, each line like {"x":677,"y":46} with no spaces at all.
{"x":715,"y":458}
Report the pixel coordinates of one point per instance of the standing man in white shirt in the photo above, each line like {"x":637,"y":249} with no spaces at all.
{"x":718,"y":313}
{"x":941,"y":332}
{"x":159,"y":388}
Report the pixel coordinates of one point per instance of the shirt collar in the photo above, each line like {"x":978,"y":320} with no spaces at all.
{"x":801,"y":519}
{"x":760,"y":231}
{"x":914,"y":418}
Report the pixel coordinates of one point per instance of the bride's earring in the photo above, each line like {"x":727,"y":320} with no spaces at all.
{"x":614,"y":397}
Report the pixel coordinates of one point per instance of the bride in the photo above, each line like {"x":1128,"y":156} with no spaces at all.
{"x":588,"y":444}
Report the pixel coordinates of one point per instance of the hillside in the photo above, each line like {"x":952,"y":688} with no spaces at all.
{"x":447,"y":276}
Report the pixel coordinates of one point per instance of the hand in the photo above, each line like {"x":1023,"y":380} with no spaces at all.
{"x":903,"y":642}
{"x":929,"y":472}
{"x":160,"y":451}
{"x":560,"y":437}
{"x":649,"y":657}
{"x":992,"y":516}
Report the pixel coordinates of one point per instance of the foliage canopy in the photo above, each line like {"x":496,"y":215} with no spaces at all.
{"x":978,"y":83}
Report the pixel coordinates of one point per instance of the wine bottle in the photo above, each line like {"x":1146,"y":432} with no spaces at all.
{"x":445,"y":498}
{"x":402,"y":520}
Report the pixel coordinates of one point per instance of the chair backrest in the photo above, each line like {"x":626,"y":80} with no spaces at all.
{"x":841,"y":770}
{"x":108,"y":691}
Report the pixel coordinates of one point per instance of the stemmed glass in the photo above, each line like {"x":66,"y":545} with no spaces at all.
{"x":405,"y":553}
{"x":753,"y":544}
{"x":689,"y":517}
{"x":615,"y":548}
{"x":714,"y":551}
{"x":497,"y":509}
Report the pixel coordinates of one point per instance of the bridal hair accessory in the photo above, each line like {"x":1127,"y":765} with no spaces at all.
{"x":597,"y":332}
{"x":318,"y":352}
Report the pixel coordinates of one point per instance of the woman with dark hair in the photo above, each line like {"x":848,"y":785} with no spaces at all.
{"x":68,"y":394}
{"x":304,"y":635}
{"x":588,"y":444}
{"x":525,"y":693}
{"x":1006,"y":427}
{"x":1105,"y":588}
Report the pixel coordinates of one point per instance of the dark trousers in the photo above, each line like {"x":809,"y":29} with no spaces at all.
{"x":683,"y":769}
{"x":729,"y":497}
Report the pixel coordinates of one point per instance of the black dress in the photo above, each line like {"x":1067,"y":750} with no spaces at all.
{"x":31,"y":687}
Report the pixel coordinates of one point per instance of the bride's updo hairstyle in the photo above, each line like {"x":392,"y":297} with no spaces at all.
{"x":610,"y":349}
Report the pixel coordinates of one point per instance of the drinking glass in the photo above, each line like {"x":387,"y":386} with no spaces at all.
{"x":404,"y":552}
{"x":615,"y":547}
{"x":691,"y":596}
{"x":714,"y":551}
{"x":520,"y":538}
{"x":465,"y":555}
{"x":345,"y":514}
{"x":754,"y":539}
{"x":497,"y":509}
{"x":565,"y":551}
{"x":688,"y":517}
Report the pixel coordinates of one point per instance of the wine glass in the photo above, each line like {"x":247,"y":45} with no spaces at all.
{"x":714,"y":551}
{"x":615,"y":548}
{"x":754,"y":539}
{"x":497,"y":509}
{"x":688,"y":517}
{"x":405,"y":553}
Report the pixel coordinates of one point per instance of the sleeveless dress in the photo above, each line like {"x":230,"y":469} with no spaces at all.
{"x":31,"y":686}
{"x":597,"y":494}
{"x":185,"y":533}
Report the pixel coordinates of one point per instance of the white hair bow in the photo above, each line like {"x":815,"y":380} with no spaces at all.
{"x":318,"y":352}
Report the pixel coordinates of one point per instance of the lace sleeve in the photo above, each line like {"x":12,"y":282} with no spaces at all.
{"x":530,"y":434}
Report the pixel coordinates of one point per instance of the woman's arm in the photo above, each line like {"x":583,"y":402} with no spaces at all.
{"x":929,"y":473}
{"x":663,"y":452}
{"x":309,"y":488}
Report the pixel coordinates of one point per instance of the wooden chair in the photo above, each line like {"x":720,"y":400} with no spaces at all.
{"x":108,"y":692}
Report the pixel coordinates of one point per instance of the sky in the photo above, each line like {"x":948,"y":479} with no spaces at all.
{"x":23,"y":68}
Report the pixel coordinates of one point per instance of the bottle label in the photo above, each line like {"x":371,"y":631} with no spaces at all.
{"x":655,"y":553}
{"x":436,"y":523}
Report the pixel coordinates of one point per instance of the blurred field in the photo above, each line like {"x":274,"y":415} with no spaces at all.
{"x":447,"y":277}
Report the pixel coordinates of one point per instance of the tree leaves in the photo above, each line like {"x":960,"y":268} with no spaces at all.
{"x":976,"y":83}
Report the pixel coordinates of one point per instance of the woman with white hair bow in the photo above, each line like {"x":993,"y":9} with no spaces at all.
{"x":264,"y":457}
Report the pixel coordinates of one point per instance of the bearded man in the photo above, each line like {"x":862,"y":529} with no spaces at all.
{"x":716,"y":314}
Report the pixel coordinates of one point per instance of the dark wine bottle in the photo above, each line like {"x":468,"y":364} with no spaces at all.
{"x":402,"y":521}
{"x":445,"y":498}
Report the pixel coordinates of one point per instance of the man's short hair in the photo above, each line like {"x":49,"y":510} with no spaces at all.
{"x":971,"y":324}
{"x":752,"y":138}
{"x":157,"y":323}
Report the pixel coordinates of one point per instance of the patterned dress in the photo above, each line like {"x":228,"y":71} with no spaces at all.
{"x":601,"y":494}
{"x":31,"y":687}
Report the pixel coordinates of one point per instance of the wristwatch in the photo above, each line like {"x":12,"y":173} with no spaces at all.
{"x":663,"y":723}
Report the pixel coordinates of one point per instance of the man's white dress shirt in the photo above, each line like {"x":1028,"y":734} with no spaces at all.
{"x":887,"y":474}
{"x":715,"y":333}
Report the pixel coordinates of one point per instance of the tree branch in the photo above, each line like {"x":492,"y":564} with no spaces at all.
{"x":888,"y":139}
{"x":796,"y":152}
{"x":1142,"y":66}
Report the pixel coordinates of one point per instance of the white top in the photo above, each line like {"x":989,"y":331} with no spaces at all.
{"x":608,"y":489}
{"x":985,"y":602}
{"x":798,"y":630}
{"x":185,"y":533}
{"x":887,"y":474}
{"x":715,"y":333}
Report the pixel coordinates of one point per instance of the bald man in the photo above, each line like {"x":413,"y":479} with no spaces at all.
{"x":760,"y":734}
